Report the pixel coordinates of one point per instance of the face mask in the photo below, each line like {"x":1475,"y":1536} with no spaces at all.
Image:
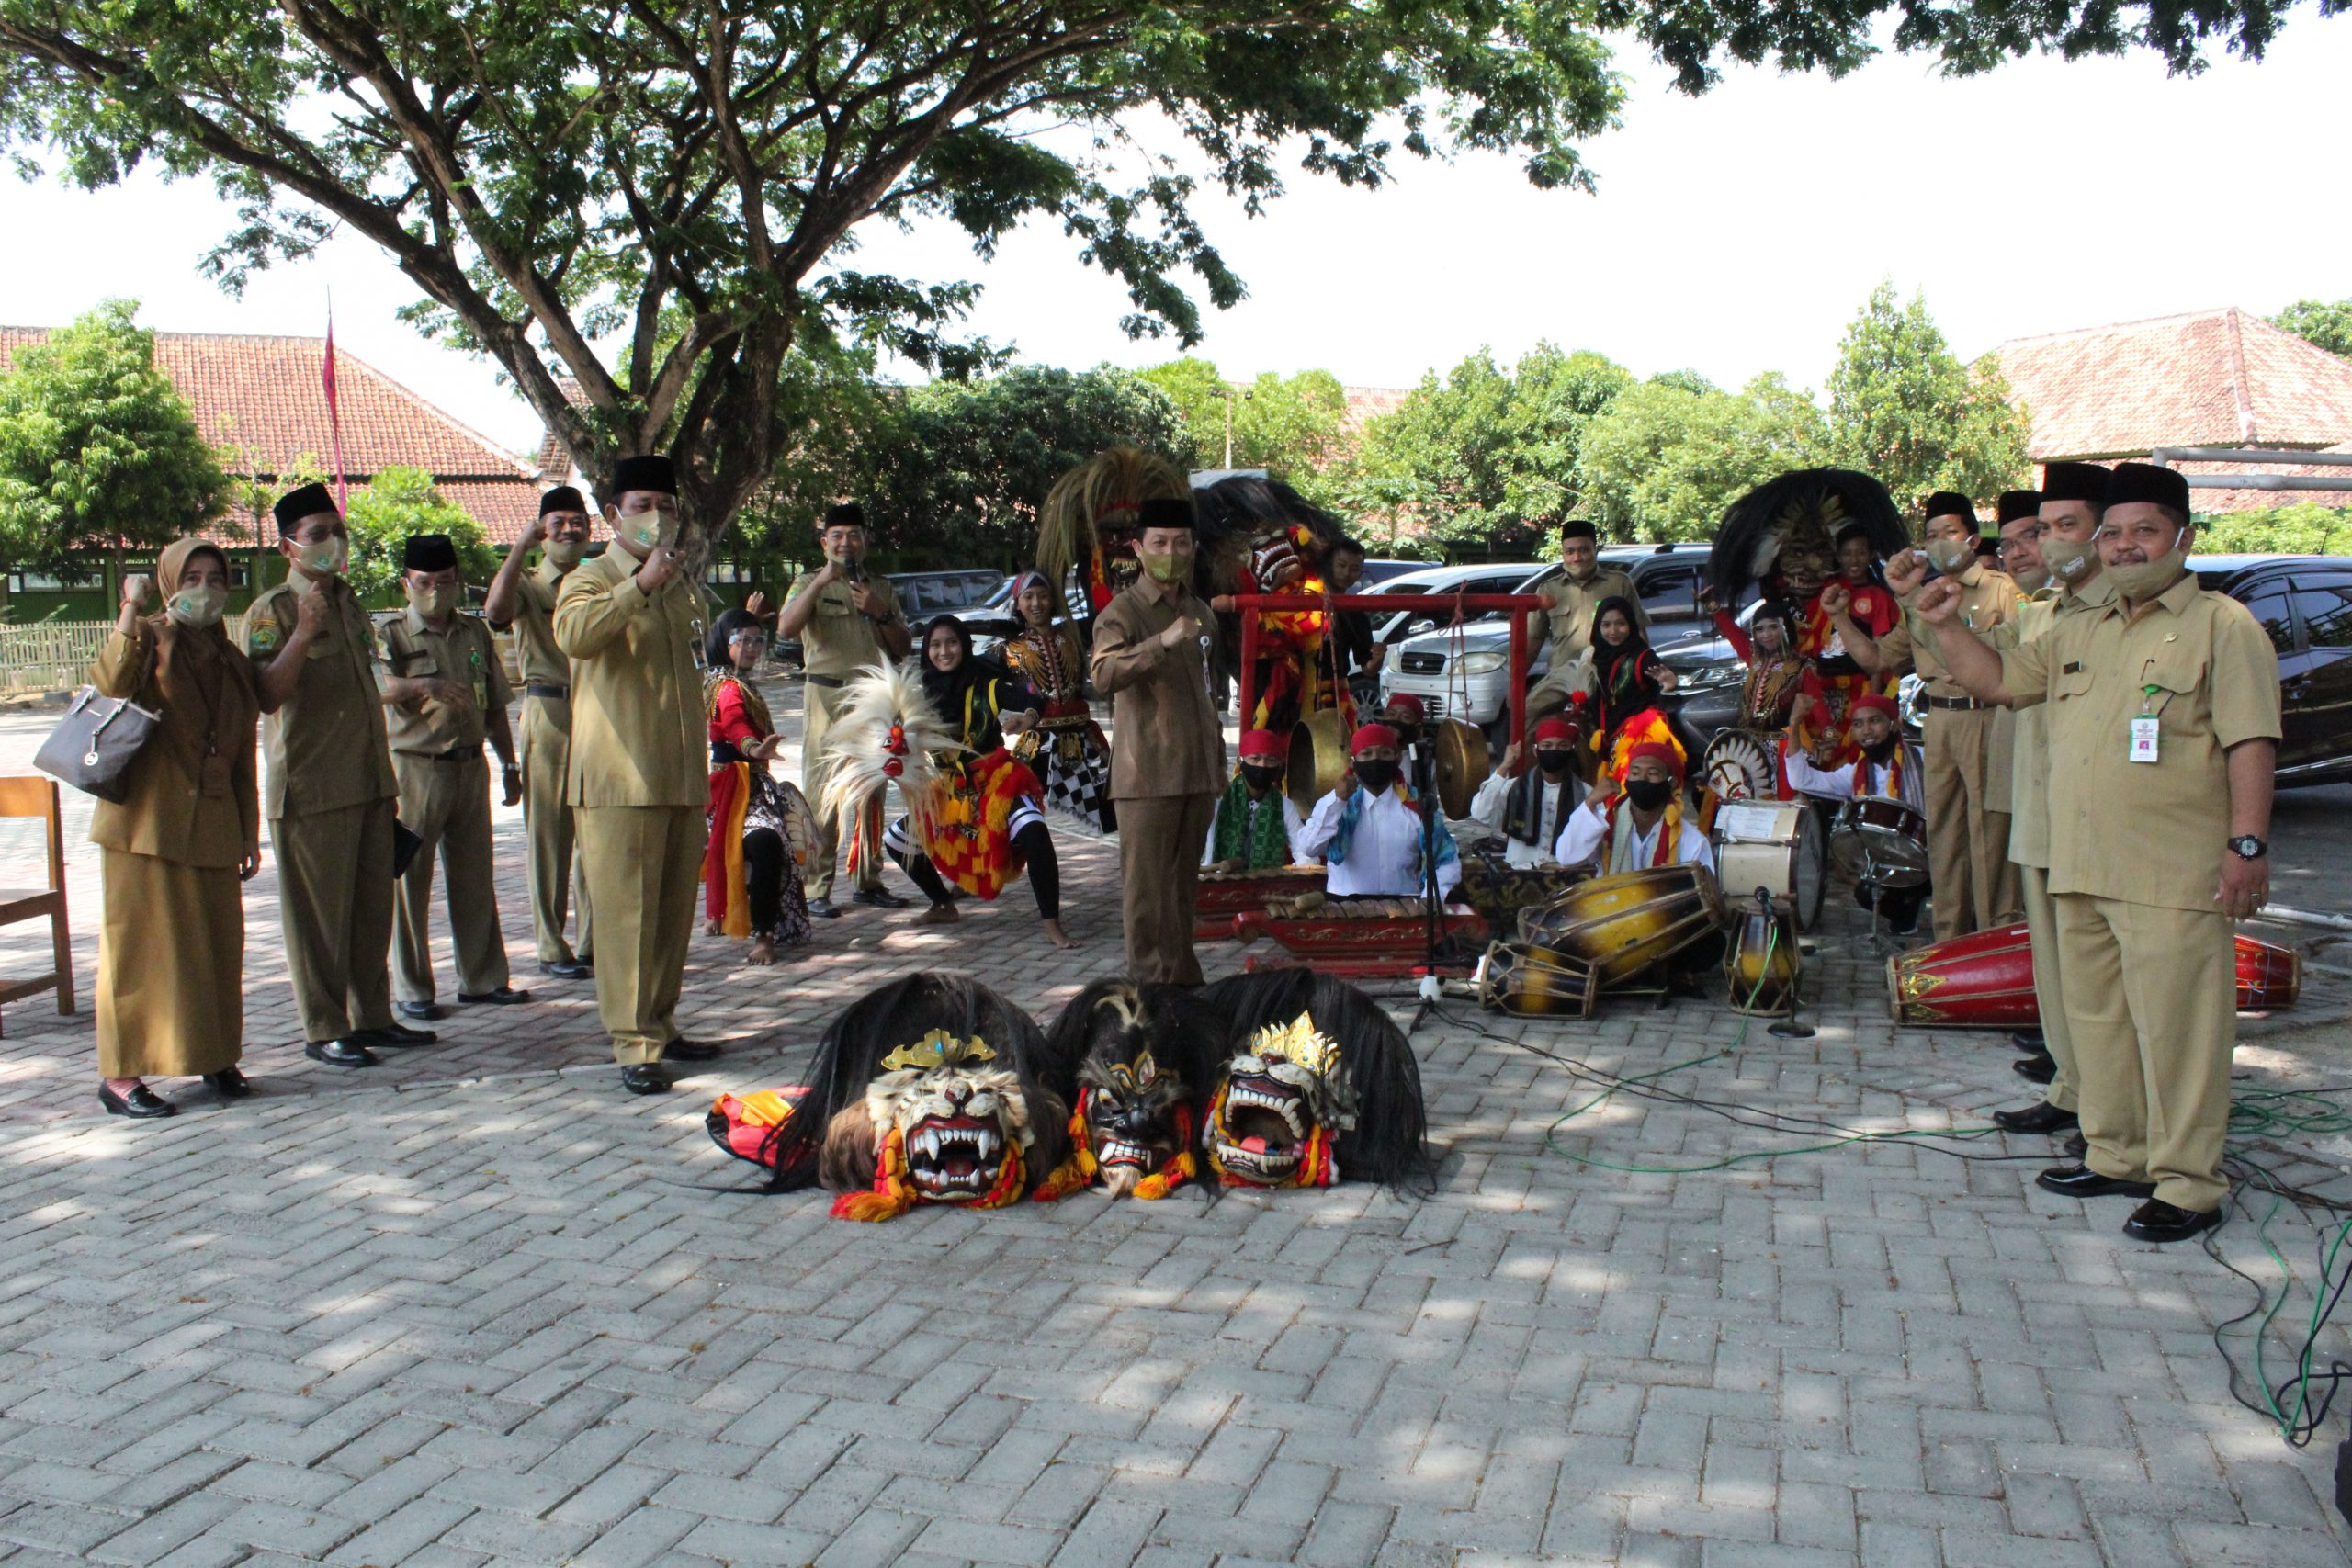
{"x":2071,"y":561}
{"x":198,"y":607}
{"x":648,"y":530}
{"x":2145,"y":580}
{"x":1555,"y":762}
{"x":1262,"y":778}
{"x":844,"y":560}
{"x":1882,"y":751}
{"x":1950,"y":557}
{"x":1176,"y":566}
{"x":1649,"y":794}
{"x":565,"y":553}
{"x":1376,"y":773}
{"x":431,"y":602}
{"x":326,"y":558}
{"x":2031,"y":580}
{"x":1584,"y":573}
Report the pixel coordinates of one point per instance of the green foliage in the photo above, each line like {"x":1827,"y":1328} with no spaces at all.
{"x":2302,"y":528}
{"x":97,"y":447}
{"x":2319,"y":321}
{"x":1287,"y":425}
{"x":1901,"y":406}
{"x":1488,"y":456}
{"x":1663,"y":459}
{"x":396,"y":502}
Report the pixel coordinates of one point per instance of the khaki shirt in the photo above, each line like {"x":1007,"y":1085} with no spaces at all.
{"x":465,"y":654}
{"x":534,"y":626}
{"x":1566,"y":625}
{"x":1166,"y":738}
{"x":638,"y":737}
{"x":328,"y":737}
{"x":1987,"y":598}
{"x":2154,"y":832}
{"x":839,"y":639}
{"x":191,"y":796}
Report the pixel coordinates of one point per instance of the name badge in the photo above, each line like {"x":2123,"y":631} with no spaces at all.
{"x":2144,"y":739}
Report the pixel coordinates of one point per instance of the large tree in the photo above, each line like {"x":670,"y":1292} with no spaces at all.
{"x":1664,"y":459}
{"x":1289,"y":426}
{"x":2327,"y":324}
{"x":686,"y":177}
{"x":97,"y":448}
{"x":1903,"y":407}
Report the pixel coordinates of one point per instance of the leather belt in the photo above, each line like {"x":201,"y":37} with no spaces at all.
{"x":833,"y":682}
{"x":546,"y":689}
{"x":458,"y":754}
{"x":1957,"y":705}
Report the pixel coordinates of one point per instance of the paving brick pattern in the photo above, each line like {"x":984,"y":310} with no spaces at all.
{"x":477,"y":1305}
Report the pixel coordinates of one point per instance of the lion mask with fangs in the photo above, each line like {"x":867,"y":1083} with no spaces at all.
{"x":929,"y":1090}
{"x":1147,"y":1054}
{"x":1322,"y":1087}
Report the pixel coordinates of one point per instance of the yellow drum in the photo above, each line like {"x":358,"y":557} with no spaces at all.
{"x":1762,"y":964}
{"x":1623,"y":924}
{"x":1535,"y":982}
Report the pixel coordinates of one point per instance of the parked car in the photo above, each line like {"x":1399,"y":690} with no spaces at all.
{"x":2304,"y":603}
{"x":922,"y":594}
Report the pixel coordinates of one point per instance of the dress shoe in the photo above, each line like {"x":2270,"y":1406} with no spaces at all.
{"x":570,"y":969}
{"x":823,"y":909}
{"x":346,"y":1053}
{"x":229,"y":1083}
{"x":2078,"y":1148}
{"x":879,"y":898}
{"x":2043,"y":1117}
{"x":684,"y":1050}
{"x":426,"y":1011}
{"x":2159,"y":1222}
{"x":2030,"y":1042}
{"x":505,"y":996}
{"x":2036,"y":1070}
{"x":2081,"y":1182}
{"x":141,"y":1104}
{"x":400,"y":1034}
{"x":645,"y":1077}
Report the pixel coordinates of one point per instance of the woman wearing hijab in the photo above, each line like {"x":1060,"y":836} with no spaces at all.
{"x":761,"y":827}
{"x":1064,"y":748}
{"x":1628,"y":679}
{"x":988,"y":825}
{"x":171,"y":946}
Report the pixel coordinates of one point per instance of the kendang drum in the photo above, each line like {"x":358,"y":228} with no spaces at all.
{"x":1460,"y":749}
{"x":1499,"y":890}
{"x":1881,"y":840}
{"x":1531,"y":981}
{"x":1985,"y":980}
{"x":1776,"y":846}
{"x":1762,"y":963}
{"x":1318,"y":755}
{"x":1623,"y":924}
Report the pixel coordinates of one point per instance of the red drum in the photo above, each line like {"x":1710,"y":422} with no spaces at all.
{"x":1985,"y":980}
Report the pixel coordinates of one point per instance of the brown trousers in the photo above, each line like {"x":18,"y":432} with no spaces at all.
{"x":2048,"y":964}
{"x":334,"y":900}
{"x":1968,"y":844}
{"x":1161,"y":840}
{"x":644,"y":865}
{"x":171,"y":968}
{"x":556,"y":876}
{"x":446,"y":804}
{"x":820,"y":707}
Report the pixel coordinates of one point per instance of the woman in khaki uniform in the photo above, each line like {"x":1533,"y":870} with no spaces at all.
{"x":171,"y":947}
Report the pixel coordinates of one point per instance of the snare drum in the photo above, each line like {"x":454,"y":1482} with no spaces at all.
{"x":1535,"y":982}
{"x":1623,"y":924}
{"x":1881,"y":840}
{"x":1776,"y":846}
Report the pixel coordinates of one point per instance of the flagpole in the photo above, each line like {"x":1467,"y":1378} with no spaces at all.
{"x":334,"y":410}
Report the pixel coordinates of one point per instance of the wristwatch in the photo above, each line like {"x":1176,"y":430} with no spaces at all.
{"x":2248,"y":846}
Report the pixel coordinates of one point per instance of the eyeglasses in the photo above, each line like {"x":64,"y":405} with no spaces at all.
{"x":2029,"y":535}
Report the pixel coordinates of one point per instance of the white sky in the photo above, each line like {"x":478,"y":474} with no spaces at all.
{"x":1731,"y":233}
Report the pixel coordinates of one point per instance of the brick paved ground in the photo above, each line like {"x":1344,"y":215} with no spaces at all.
{"x":477,"y":1305}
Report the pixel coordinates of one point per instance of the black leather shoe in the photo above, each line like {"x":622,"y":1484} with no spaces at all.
{"x":2081,"y":1182}
{"x":570,"y":969}
{"x":2043,"y":1117}
{"x":399,"y":1035}
{"x":824,"y":909}
{"x":505,"y":996}
{"x":425,"y":1010}
{"x":141,"y":1104}
{"x":684,"y":1050}
{"x":347,"y":1052}
{"x":2077,"y":1147}
{"x":2036,"y":1070}
{"x":879,"y":898}
{"x":229,"y":1083}
{"x":2030,"y":1042}
{"x":645,"y":1077}
{"x":2159,"y":1222}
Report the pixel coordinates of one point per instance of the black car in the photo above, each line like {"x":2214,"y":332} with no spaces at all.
{"x":2305,"y":602}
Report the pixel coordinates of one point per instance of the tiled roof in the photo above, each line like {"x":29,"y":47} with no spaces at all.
{"x":1368,"y":403}
{"x":260,"y":397}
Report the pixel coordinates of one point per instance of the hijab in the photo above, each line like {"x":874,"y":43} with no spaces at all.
{"x":950,"y":689}
{"x":1054,"y":600}
{"x":194,"y":653}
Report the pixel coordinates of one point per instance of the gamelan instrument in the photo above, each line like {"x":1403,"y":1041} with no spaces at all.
{"x":1739,"y":764}
{"x":1318,"y":755}
{"x":1344,"y":932}
{"x":1623,"y":924}
{"x":1985,"y":980}
{"x":1535,"y":982}
{"x":1223,"y":895}
{"x":1460,"y":749}
{"x":1762,"y":963}
{"x":1499,"y":890}
{"x":1775,"y":845}
{"x":1881,"y":840}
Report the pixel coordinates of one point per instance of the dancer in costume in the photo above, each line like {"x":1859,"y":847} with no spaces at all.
{"x":1256,"y":826}
{"x":982,"y":822}
{"x":762,"y":832}
{"x":1746,"y":762}
{"x":1369,"y":829}
{"x":1091,"y":516}
{"x":1065,"y":748}
{"x":1644,"y":825}
{"x":1261,"y":537}
{"x":1622,"y":709}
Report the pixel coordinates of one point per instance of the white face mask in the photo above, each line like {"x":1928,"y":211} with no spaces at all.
{"x":197,"y":605}
{"x":565,"y":553}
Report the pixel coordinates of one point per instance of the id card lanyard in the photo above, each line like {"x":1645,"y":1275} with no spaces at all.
{"x":2144,"y":726}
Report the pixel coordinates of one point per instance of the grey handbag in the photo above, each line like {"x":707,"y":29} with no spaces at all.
{"x":93,"y":744}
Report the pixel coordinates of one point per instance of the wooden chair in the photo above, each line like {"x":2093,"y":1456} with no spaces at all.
{"x":37,"y":797}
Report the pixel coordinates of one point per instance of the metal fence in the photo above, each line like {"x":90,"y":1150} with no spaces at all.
{"x":56,"y":656}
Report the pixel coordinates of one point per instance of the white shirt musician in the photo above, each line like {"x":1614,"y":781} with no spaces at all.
{"x":1526,"y":810}
{"x":1369,"y":829}
{"x":1642,"y":827}
{"x":1889,"y":765}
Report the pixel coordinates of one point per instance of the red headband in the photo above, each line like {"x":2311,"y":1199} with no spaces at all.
{"x":1264,"y":743}
{"x":1371,"y":735}
{"x":1656,"y":752}
{"x":1873,"y":702}
{"x":1409,"y":706}
{"x":1555,"y":729}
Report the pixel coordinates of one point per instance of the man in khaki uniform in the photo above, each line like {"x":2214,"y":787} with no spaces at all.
{"x":2164,"y":729}
{"x":1152,"y":658}
{"x":1571,"y":601}
{"x":631,"y":623}
{"x":330,"y":797}
{"x":1968,"y":851}
{"x":445,"y":785}
{"x":845,"y":621}
{"x":2019,"y":513}
{"x":526,"y":601}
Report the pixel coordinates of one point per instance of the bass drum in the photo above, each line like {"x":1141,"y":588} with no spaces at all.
{"x":1460,"y":747}
{"x":1318,"y":754}
{"x":1778,"y":846}
{"x":1739,"y":765}
{"x":1623,"y":924}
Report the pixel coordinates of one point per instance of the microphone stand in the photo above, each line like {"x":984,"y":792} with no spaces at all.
{"x":1424,"y":775}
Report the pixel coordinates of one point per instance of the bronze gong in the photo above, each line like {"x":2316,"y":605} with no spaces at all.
{"x":1462,"y":764}
{"x":1318,"y":754}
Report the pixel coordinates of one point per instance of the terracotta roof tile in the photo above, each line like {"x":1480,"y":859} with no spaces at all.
{"x":1368,"y":403}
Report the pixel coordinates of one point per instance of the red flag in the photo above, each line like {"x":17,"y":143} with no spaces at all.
{"x":335,"y":413}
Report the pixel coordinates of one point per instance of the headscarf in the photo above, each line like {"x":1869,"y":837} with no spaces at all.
{"x":716,"y":654}
{"x":1054,"y":608}
{"x":951,"y":690}
{"x":1617,"y":668}
{"x":196,"y":653}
